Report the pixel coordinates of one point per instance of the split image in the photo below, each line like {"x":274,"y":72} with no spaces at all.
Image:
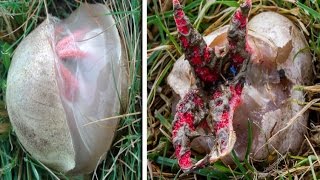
{"x":163,"y":89}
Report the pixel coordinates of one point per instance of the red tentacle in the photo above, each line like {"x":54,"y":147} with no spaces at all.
{"x":70,"y":83}
{"x":239,"y":49}
{"x":200,"y":56}
{"x":191,"y":110}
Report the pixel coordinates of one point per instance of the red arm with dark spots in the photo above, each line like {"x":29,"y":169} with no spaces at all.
{"x":238,"y":48}
{"x":228,"y":97}
{"x":218,"y":112}
{"x":200,"y":56}
{"x":191,"y":110}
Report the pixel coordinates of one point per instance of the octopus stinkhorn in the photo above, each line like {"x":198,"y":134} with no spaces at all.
{"x":64,"y":75}
{"x":239,"y":73}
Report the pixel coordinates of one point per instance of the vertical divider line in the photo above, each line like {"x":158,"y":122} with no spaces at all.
{"x":144,"y":89}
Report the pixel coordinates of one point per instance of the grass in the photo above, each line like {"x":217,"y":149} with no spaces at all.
{"x":123,"y":161}
{"x":164,"y":50}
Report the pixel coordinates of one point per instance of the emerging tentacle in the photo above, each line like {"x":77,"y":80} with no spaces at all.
{"x":227,"y":98}
{"x":238,"y":48}
{"x":67,"y":50}
{"x":191,"y":110}
{"x":200,"y":56}
{"x":222,"y":107}
{"x":70,"y":83}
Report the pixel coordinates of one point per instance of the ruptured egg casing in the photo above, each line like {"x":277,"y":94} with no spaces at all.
{"x":52,"y":95}
{"x":268,"y":99}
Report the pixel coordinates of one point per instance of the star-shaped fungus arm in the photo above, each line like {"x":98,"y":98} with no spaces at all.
{"x":228,"y":96}
{"x":215,"y":108}
{"x":238,"y":49}
{"x":191,"y":110}
{"x":200,"y":56}
{"x":221,"y":109}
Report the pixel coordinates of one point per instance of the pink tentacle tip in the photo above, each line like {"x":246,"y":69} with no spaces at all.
{"x":185,"y":161}
{"x":71,"y":53}
{"x":249,"y":2}
{"x":70,"y":83}
{"x":181,"y":20}
{"x":175,"y":2}
{"x":67,"y":47}
{"x":241,"y":14}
